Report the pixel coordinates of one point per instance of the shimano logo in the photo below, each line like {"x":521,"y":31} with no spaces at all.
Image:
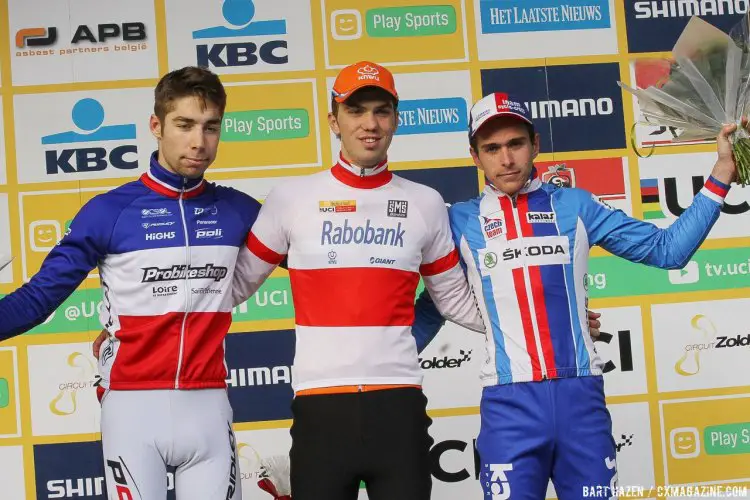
{"x":571,"y":107}
{"x":689,"y":8}
{"x":180,"y":272}
{"x":244,"y":377}
{"x":445,"y":362}
{"x":72,"y":488}
{"x":533,"y":251}
{"x":160,"y":236}
{"x":738,"y":341}
{"x":366,"y":235}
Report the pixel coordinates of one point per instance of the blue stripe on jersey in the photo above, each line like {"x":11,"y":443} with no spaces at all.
{"x":475,"y":238}
{"x":567,"y":222}
{"x":555,"y":296}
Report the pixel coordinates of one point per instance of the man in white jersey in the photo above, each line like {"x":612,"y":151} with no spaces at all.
{"x":357,"y":239}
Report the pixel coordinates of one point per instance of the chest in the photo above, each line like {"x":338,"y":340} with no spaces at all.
{"x":505,"y":235}
{"x":357,"y":231}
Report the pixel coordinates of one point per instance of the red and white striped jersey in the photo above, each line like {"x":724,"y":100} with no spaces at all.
{"x":357,"y":241}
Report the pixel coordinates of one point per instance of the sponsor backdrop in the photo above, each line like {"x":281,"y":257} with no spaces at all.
{"x":76,"y":87}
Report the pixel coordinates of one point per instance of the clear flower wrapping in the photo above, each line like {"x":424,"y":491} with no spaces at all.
{"x":708,"y":85}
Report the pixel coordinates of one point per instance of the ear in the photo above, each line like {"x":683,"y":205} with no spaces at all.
{"x":475,"y":157}
{"x":333,"y":123}
{"x":536,"y":146}
{"x":154,"y":125}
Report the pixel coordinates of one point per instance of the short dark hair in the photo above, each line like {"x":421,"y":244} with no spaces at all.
{"x":363,"y":94}
{"x":529,"y":128}
{"x":190,"y":81}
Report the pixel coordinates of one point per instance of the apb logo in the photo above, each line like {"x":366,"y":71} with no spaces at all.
{"x":100,"y":33}
{"x":562,"y":100}
{"x":271,"y":49}
{"x":88,"y":117}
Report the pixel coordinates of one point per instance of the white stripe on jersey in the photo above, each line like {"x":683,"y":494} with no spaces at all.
{"x":365,"y":355}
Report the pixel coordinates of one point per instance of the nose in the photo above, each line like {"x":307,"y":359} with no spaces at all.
{"x":197,"y":138}
{"x":506,"y":157}
{"x":369,"y":122}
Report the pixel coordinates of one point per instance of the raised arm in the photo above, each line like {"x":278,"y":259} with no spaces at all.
{"x":62,"y":271}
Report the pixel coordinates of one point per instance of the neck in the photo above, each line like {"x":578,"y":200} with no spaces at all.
{"x":345,"y":156}
{"x":163,"y":162}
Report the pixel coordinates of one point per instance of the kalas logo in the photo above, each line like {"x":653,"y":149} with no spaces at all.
{"x":445,"y":361}
{"x":88,"y":116}
{"x":240,"y":14}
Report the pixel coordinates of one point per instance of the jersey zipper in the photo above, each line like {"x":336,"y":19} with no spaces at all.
{"x":529,"y":296}
{"x":187,"y":286}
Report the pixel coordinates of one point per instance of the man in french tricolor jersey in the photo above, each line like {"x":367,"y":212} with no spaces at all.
{"x":357,"y":239}
{"x":524,"y":246}
{"x":165,"y":246}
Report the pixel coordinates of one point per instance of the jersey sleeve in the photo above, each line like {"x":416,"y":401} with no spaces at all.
{"x":643,"y":242}
{"x":427,"y":320}
{"x":442,"y":273}
{"x":266,"y":247}
{"x":63,"y":270}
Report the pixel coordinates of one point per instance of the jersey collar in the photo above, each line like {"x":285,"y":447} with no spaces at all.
{"x":362,"y":178}
{"x":168,"y":183}
{"x":532,"y":184}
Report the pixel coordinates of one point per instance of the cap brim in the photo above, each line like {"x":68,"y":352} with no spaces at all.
{"x":344,"y":97}
{"x":499,"y":114}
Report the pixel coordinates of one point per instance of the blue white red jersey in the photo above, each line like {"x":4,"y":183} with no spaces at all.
{"x":166,"y":249}
{"x":526,"y":259}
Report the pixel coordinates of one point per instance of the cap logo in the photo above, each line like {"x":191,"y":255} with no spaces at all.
{"x":368,"y":72}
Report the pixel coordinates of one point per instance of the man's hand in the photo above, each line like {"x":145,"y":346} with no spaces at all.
{"x":98,"y":343}
{"x":594,"y":323}
{"x":725,"y":169}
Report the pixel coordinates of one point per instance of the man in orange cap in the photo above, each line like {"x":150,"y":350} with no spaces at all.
{"x":357,"y":239}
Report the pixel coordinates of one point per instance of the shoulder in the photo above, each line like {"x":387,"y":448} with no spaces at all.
{"x":458,"y":213}
{"x":420,"y":193}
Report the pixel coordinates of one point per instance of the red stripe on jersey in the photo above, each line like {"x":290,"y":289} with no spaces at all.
{"x":441,"y":265}
{"x":715,"y":188}
{"x":203,"y":348}
{"x":143,"y":355}
{"x":537,"y":290}
{"x":522,"y":204}
{"x":510,"y":222}
{"x":528,"y":330}
{"x":353,"y":296}
{"x":261,"y":251}
{"x":542,"y":320}
{"x":155,"y":186}
{"x":146,"y":360}
{"x":358,"y":181}
{"x":519,"y":283}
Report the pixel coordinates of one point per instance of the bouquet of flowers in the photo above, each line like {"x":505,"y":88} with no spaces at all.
{"x":274,"y":477}
{"x":708,"y":86}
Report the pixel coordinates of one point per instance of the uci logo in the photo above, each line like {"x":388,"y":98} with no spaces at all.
{"x":239,"y":14}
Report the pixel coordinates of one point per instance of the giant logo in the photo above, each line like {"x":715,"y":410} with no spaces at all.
{"x":235,"y":36}
{"x":260,"y":375}
{"x":563,"y":100}
{"x":655,"y":25}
